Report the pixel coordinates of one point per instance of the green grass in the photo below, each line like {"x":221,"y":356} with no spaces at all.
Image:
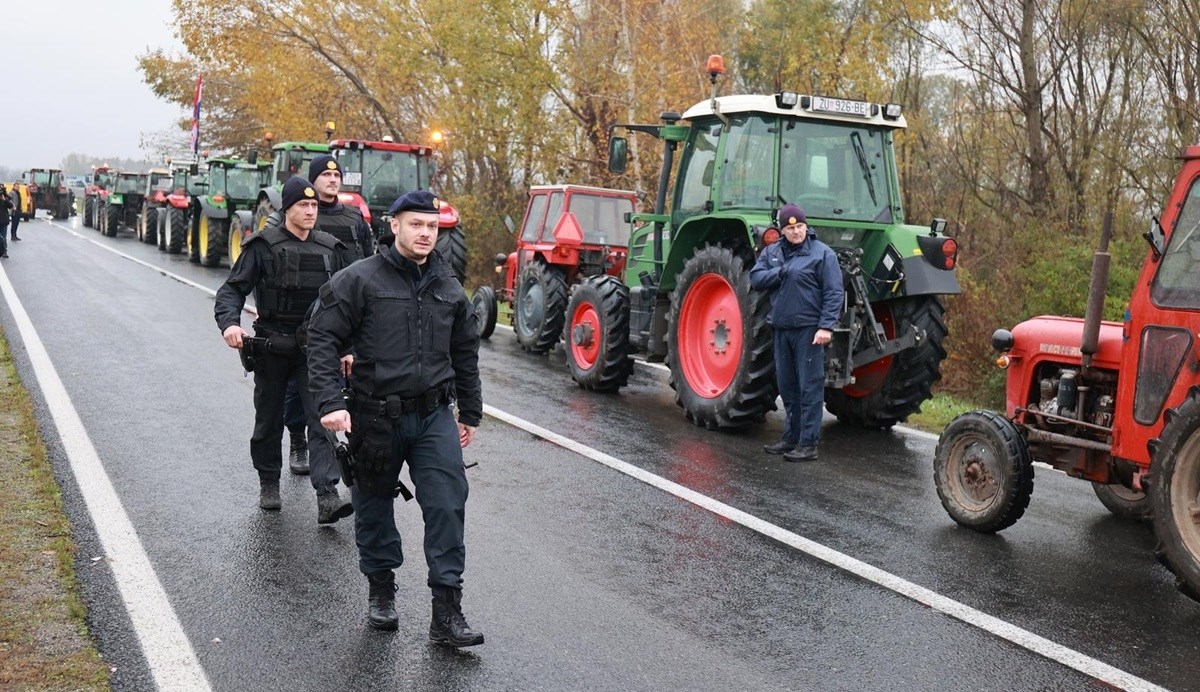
{"x":939,"y":411}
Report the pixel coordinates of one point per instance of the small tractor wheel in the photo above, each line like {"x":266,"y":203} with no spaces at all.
{"x":1174,"y":482}
{"x":112,"y":220}
{"x":719,"y":346}
{"x":240,"y":228}
{"x":541,"y":307}
{"x":983,"y":471}
{"x":483,"y":301}
{"x":1124,"y":502}
{"x":88,"y":204}
{"x":597,"y":334}
{"x":177,"y":229}
{"x":452,"y":245}
{"x":212,"y":236}
{"x":889,"y":390}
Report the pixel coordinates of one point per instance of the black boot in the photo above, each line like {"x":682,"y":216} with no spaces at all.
{"x":298,"y":463}
{"x":381,"y":613}
{"x":448,"y":625}
{"x":268,"y":495}
{"x":331,"y":506}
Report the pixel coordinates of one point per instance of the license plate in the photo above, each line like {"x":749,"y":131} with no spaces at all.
{"x":860,"y":109}
{"x":352,"y":178}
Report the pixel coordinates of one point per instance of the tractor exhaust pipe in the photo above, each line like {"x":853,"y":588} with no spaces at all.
{"x":1095,"y":303}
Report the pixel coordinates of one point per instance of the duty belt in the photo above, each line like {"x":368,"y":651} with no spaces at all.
{"x":396,"y":406}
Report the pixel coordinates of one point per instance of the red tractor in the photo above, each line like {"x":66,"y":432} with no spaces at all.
{"x":49,"y":191}
{"x":95,"y":194}
{"x":1117,"y":404}
{"x":571,"y":235}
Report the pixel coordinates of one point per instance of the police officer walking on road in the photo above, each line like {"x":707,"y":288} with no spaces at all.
{"x":346,"y":223}
{"x":416,"y":349}
{"x":804,"y":280}
{"x":285,"y":266}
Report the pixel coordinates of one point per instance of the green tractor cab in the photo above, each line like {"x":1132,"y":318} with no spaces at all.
{"x":123,"y":204}
{"x":287,"y":159}
{"x":689,"y":300}
{"x":221,"y":214}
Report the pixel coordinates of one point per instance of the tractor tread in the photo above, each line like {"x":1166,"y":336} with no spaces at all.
{"x":610,"y":298}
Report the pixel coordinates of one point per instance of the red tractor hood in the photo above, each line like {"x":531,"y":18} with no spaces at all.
{"x":1059,"y":338}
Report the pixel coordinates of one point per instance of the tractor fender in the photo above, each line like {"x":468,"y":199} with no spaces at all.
{"x":245,"y":217}
{"x":273,"y":196}
{"x":179,"y":201}
{"x":448,"y":216}
{"x":213,"y":212}
{"x":922,"y":278}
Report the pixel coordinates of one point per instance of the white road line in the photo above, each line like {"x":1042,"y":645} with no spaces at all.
{"x":976,"y":618}
{"x":168,"y":653}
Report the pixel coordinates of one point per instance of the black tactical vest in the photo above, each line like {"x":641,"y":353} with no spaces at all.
{"x":293,"y":274}
{"x":343,"y":224}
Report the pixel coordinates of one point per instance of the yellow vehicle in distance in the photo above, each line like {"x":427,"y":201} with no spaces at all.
{"x":26,"y":209}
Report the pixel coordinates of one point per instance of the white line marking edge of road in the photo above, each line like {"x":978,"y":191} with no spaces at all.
{"x":169,"y":654}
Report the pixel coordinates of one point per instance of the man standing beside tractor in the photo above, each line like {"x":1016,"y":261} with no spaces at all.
{"x":284,"y":265}
{"x":802,"y":276}
{"x":17,"y":207}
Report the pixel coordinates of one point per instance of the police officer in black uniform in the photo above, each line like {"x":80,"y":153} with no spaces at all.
{"x":416,"y":349}
{"x":284,"y":265}
{"x":346,"y":223}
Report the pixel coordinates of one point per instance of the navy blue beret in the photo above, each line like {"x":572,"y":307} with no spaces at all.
{"x":417,"y":200}
{"x":296,"y":189}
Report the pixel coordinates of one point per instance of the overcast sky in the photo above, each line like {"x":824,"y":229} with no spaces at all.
{"x":70,"y":81}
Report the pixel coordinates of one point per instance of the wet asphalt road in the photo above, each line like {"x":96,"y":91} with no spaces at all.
{"x":580,"y":577}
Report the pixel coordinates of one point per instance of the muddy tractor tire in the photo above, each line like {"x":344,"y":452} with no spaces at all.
{"x":541,"y":307}
{"x":452,"y":246}
{"x":891,"y":389}
{"x":88,"y":204}
{"x":1123,"y":502}
{"x":1174,"y":493}
{"x":241,"y":225}
{"x":63,"y":212}
{"x":160,"y":225}
{"x":212,"y":235}
{"x":719,"y":346}
{"x":983,"y":471}
{"x":597,"y":334}
{"x":262,"y":214}
{"x":148,"y":225}
{"x":177,"y":229}
{"x":193,"y":240}
{"x":112,"y":220}
{"x":483,"y":302}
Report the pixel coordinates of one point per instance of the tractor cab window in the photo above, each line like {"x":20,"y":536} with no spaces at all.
{"x":161,"y":181}
{"x":835,"y":170}
{"x":242,"y":183}
{"x":696,"y":171}
{"x":351,"y":162}
{"x":534,"y":218}
{"x":216,"y":181}
{"x":1177,"y":281}
{"x":40,"y":178}
{"x":546,"y":235}
{"x":127,"y":184}
{"x":386,"y":175}
{"x":748,"y":170}
{"x":295,"y":164}
{"x":602,"y":219}
{"x":55,"y":178}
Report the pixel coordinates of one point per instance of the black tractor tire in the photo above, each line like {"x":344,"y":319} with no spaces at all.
{"x":213,"y":244}
{"x":240,"y":226}
{"x":983,"y":471}
{"x":483,"y":301}
{"x":909,"y":380}
{"x":1124,"y":502}
{"x":751,"y":391}
{"x":88,"y":204}
{"x":1174,"y":485}
{"x":64,"y":210}
{"x":112,"y":220}
{"x":452,"y":246}
{"x":540,"y":307}
{"x":149,"y":225}
{"x":160,"y":228}
{"x":193,"y":239}
{"x":597,"y":334}
{"x":262,"y":214}
{"x":177,"y":229}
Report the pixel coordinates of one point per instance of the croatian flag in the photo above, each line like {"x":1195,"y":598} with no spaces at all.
{"x":196,"y":116}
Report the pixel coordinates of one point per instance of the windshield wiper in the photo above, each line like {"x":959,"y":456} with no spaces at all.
{"x":856,"y":140}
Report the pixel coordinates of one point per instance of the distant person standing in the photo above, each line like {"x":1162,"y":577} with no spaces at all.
{"x":18,"y":205}
{"x":5,"y":209}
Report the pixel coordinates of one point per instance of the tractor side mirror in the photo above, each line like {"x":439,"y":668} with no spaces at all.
{"x":618,"y":153}
{"x":1156,"y":237}
{"x":194,"y":169}
{"x":508,"y":223}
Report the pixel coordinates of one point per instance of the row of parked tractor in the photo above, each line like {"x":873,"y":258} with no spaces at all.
{"x":207,"y":208}
{"x":1116,"y":404}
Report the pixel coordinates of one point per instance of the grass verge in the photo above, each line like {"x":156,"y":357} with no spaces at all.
{"x":939,"y":411}
{"x":44,"y":643}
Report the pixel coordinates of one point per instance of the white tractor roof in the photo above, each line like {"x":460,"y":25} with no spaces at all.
{"x":759,"y":103}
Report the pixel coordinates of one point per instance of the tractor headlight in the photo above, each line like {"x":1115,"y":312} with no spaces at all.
{"x":786,"y":99}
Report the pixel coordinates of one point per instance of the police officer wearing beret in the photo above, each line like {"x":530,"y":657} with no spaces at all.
{"x":285,"y":266}
{"x":346,"y":223}
{"x":804,"y":281}
{"x":416,"y":349}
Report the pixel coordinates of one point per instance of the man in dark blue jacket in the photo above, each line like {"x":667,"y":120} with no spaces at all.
{"x":805,"y":284}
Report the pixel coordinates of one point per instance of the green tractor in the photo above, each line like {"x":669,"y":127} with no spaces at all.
{"x":123,"y":205}
{"x":287,"y":159}
{"x":686,"y":294}
{"x":221,"y":216}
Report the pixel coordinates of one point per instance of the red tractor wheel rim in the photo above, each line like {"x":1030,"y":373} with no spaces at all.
{"x":710,"y":336}
{"x":870,"y":377}
{"x":584,"y":334}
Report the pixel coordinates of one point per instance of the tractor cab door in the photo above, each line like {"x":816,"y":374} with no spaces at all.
{"x":538,"y":229}
{"x":1160,"y":359}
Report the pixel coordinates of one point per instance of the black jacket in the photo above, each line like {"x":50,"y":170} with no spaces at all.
{"x":411,"y":331}
{"x":333,"y":218}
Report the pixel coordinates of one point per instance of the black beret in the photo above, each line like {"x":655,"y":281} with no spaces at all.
{"x":320,"y":164}
{"x":417,"y":200}
{"x":296,"y":189}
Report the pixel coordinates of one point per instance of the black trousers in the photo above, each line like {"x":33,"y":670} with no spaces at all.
{"x":429,"y":444}
{"x":271,"y":375}
{"x":16,"y":221}
{"x":293,"y":409}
